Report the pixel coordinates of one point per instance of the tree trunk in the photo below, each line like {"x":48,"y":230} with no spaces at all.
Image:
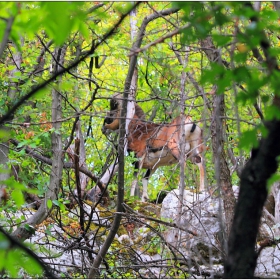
{"x":58,"y":157}
{"x":222,"y":171}
{"x":93,"y":273}
{"x":242,"y":257}
{"x":182,"y":160}
{"x":12,"y":95}
{"x":133,"y":85}
{"x":223,"y":177}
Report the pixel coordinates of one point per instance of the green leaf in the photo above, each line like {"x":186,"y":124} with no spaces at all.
{"x":3,"y":253}
{"x":59,"y":24}
{"x":29,"y":228}
{"x":48,"y":232}
{"x":274,"y":178}
{"x":272,"y":112}
{"x":12,"y":259}
{"x":31,"y":266}
{"x":123,"y":8}
{"x":4,"y":243}
{"x":221,"y":40}
{"x":18,"y":197}
{"x":55,"y":202}
{"x":49,"y":203}
{"x":57,"y":20}
{"x":41,"y":94}
{"x":4,"y":135}
{"x":248,"y":140}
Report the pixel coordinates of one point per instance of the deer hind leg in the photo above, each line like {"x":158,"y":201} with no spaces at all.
{"x":113,"y":125}
{"x":174,"y":146}
{"x":199,"y":162}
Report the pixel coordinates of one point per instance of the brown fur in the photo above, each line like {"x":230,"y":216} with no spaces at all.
{"x":158,"y":144}
{"x":155,"y":136}
{"x":115,"y":112}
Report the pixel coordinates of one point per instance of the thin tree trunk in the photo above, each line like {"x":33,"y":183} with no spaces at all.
{"x":222,"y":171}
{"x":133,"y":86}
{"x":12,"y":95}
{"x":57,"y":163}
{"x":182,"y":159}
{"x":94,"y":273}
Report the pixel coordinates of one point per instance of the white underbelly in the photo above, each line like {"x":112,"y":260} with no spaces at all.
{"x":159,"y":158}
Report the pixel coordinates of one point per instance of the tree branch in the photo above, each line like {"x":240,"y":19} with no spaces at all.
{"x":7,"y":32}
{"x":66,"y":165}
{"x":122,"y":142}
{"x":15,"y":242}
{"x":159,"y":40}
{"x":64,"y":70}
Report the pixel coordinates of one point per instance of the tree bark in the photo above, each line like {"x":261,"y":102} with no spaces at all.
{"x":123,"y":142}
{"x":222,"y":171}
{"x":242,"y":257}
{"x":22,"y":233}
{"x":16,"y":59}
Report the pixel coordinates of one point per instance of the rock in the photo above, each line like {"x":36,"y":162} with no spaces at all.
{"x":200,"y":217}
{"x":268,"y":263}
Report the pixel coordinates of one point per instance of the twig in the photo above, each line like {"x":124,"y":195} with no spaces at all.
{"x":64,"y":70}
{"x":174,"y":225}
{"x":66,"y":165}
{"x":159,"y":40}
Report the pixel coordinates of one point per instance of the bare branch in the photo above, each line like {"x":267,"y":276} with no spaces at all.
{"x":159,"y":40}
{"x":66,"y":165}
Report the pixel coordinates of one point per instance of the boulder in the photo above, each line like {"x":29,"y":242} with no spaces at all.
{"x":198,"y":238}
{"x":200,"y":225}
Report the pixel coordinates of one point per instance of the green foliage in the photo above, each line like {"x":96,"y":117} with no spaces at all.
{"x":239,"y":76}
{"x":16,"y":262}
{"x":71,"y":19}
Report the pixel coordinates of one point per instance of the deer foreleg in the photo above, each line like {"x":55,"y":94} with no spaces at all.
{"x":137,"y":166}
{"x":145,"y":180}
{"x":133,"y":187}
{"x":135,"y":174}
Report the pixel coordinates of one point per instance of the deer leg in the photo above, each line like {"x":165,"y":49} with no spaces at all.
{"x":145,"y":179}
{"x":199,"y":163}
{"x":134,"y":185}
{"x":173,"y":147}
{"x":201,"y":176}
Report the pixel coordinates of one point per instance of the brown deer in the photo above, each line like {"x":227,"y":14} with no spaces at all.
{"x":154,"y":144}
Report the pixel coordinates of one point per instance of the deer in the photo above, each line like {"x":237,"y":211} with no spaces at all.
{"x":156,"y":145}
